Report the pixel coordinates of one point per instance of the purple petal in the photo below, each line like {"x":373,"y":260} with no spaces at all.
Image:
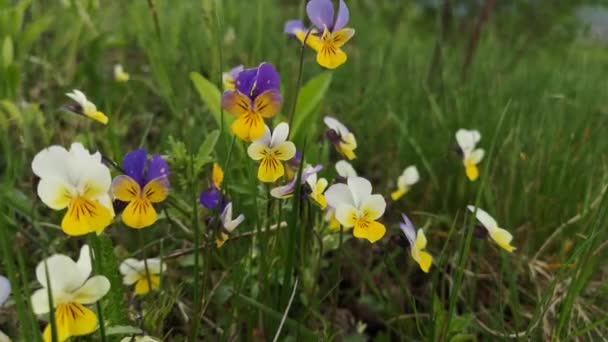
{"x":267,"y":79}
{"x":157,"y":168}
{"x":245,"y":80}
{"x":234,"y":72}
{"x":408,"y":229}
{"x":134,"y":164}
{"x":293,"y":26}
{"x":284,"y":191}
{"x":321,"y":13}
{"x":296,"y":160}
{"x":310,"y":171}
{"x":210,"y":198}
{"x":342,"y":17}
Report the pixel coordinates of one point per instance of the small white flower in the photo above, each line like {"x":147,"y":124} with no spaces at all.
{"x":119,"y":74}
{"x":86,"y":107}
{"x":228,"y":224}
{"x":134,"y":272}
{"x":409,"y":177}
{"x":357,"y":207}
{"x":345,"y":169}
{"x":272,"y":150}
{"x":341,"y":137}
{"x":417,"y":241}
{"x":467,"y":140}
{"x":71,"y":289}
{"x":79,"y":181}
{"x":502,"y":237}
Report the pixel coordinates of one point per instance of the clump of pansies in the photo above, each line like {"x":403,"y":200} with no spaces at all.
{"x":79,"y":182}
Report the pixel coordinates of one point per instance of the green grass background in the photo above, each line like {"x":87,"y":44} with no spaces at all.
{"x":535,"y":90}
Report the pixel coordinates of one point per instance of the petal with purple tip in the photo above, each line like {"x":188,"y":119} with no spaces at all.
{"x":321,"y":13}
{"x":134,"y":164}
{"x":342,"y":17}
{"x":158,"y":168}
{"x":293,"y":26}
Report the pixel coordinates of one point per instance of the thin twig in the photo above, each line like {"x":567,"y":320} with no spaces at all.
{"x":293,"y":294}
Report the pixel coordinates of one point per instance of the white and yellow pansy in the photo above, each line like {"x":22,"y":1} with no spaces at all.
{"x":471,"y":156}
{"x":343,"y":140}
{"x":317,"y":187}
{"x":144,"y":274}
{"x":85,"y":107}
{"x":409,"y":177}
{"x":228,"y":224}
{"x":71,"y":290}
{"x":345,"y":169}
{"x":502,"y":237}
{"x":76,"y":180}
{"x":120,"y":75}
{"x":272,"y":150}
{"x":357,"y":207}
{"x":418,"y":242}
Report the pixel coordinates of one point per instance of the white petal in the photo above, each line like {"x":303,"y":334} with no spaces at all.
{"x":409,"y":232}
{"x":476,"y":156}
{"x":131,"y":269}
{"x":95,"y":177}
{"x":93,"y":290}
{"x":336,"y":126}
{"x":256,"y":149}
{"x":266,"y":138}
{"x":155,"y":266}
{"x":411,"y":175}
{"x":84,"y":262}
{"x":361,"y":189}
{"x":3,"y":337}
{"x":63,"y":272}
{"x":52,"y":162}
{"x":339,"y":194}
{"x":5,"y":289}
{"x":345,"y":214}
{"x":467,"y":139}
{"x":345,"y":169}
{"x":311,"y":180}
{"x":55,"y":192}
{"x":230,"y":226}
{"x":40,"y":302}
{"x":486,"y":220}
{"x":373,"y":207}
{"x":77,"y":96}
{"x":280,"y":134}
{"x":227,"y":213}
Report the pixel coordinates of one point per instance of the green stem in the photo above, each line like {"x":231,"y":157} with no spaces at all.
{"x":96,"y":253}
{"x":299,"y":80}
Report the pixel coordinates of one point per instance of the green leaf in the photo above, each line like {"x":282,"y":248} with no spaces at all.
{"x":211,"y":96}
{"x":204,"y":151}
{"x":8,"y":53}
{"x":122,"y":330}
{"x":307,"y":107}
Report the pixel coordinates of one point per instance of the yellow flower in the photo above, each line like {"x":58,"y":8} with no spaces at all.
{"x":119,"y":74}
{"x":134,"y":272}
{"x":502,"y":237}
{"x":409,"y":177}
{"x":71,"y":289}
{"x":317,"y":187}
{"x":85,"y":107}
{"x":341,"y":137}
{"x":357,"y":207}
{"x":418,"y":243}
{"x":271,"y":151}
{"x":76,"y":180}
{"x":470,"y":155}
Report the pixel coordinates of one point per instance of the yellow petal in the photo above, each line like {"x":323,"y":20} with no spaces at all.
{"x":284,"y":151}
{"x":503,"y":238}
{"x":217,"y":175}
{"x":98,"y":116}
{"x":472,"y":171}
{"x":268,"y":103}
{"x":330,"y":56}
{"x":370,"y":230}
{"x":236,"y":103}
{"x":85,"y":216}
{"x":397,"y":194}
{"x":72,"y":319}
{"x":342,"y":36}
{"x":249,"y":127}
{"x":313,"y":41}
{"x":125,"y":188}
{"x":320,"y":199}
{"x":425,"y":261}
{"x":219,"y":242}
{"x":156,"y":190}
{"x":144,"y":286}
{"x":420,"y":240}
{"x":270,"y":169}
{"x":139,"y":213}
{"x":347,"y":150}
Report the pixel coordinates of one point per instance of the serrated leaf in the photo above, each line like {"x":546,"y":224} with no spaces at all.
{"x":309,"y":99}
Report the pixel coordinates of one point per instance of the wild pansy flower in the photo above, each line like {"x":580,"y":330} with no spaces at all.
{"x":417,"y":242}
{"x":79,"y":181}
{"x":71,"y":289}
{"x":330,"y":34}
{"x":500,"y":236}
{"x":344,"y":169}
{"x":85,"y":107}
{"x":134,"y":272}
{"x":228,"y":224}
{"x":409,"y":177}
{"x":314,"y":186}
{"x":210,"y":197}
{"x":341,"y":137}
{"x":5,"y":291}
{"x":255,"y":98}
{"x":229,"y":78}
{"x":467,"y":139}
{"x":145,"y":182}
{"x":119,"y":74}
{"x":357,"y":207}
{"x":271,"y":150}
